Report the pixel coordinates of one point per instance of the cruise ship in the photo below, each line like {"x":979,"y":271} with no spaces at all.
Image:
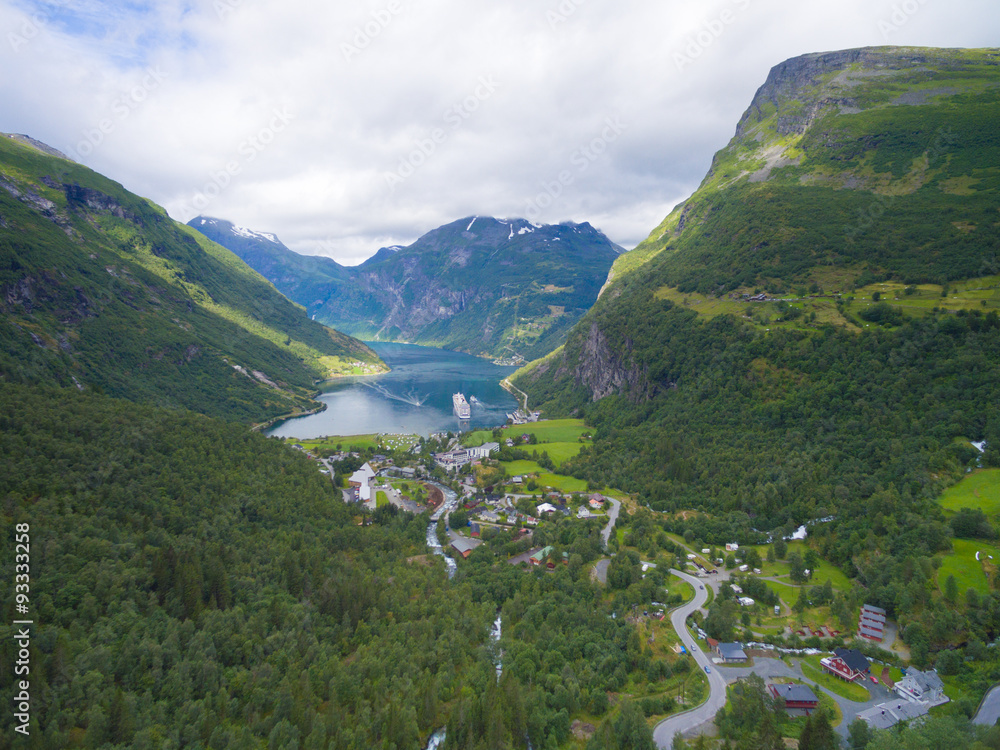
{"x":462,"y":409}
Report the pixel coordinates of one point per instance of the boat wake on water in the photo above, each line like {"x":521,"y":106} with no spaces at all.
{"x":411,"y":397}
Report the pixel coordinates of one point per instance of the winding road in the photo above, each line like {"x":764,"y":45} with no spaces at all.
{"x":664,"y":732}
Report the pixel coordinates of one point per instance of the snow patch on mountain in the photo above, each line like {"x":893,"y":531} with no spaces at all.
{"x":252,"y":235}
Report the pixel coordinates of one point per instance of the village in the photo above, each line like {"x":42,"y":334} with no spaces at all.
{"x":506,"y":481}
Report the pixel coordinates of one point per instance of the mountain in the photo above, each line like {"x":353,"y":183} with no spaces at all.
{"x":101,"y":290}
{"x":816,"y":326}
{"x":481,"y":285}
{"x":848,"y":167}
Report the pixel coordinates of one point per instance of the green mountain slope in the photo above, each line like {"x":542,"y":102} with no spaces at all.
{"x":797,"y":407}
{"x":481,"y":285}
{"x":862,"y":165}
{"x":100,"y":289}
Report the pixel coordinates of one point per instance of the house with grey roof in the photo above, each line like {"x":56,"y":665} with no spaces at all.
{"x":885,"y":715}
{"x":731,"y":653}
{"x":921,"y":687}
{"x":794,"y":695}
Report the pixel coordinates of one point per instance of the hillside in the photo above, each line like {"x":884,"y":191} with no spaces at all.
{"x":847,"y":168}
{"x":101,"y":290}
{"x":790,"y":408}
{"x":505,"y":288}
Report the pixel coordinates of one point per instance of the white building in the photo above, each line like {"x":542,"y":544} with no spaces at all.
{"x":484,"y":450}
{"x":361,"y":480}
{"x":921,"y":687}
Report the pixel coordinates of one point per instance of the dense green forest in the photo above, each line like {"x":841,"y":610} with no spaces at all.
{"x":101,"y":289}
{"x":194,"y":584}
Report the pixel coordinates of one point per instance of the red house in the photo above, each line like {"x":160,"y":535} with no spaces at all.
{"x":795,"y":696}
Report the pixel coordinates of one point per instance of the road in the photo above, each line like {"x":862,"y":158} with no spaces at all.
{"x":664,"y":732}
{"x":612,"y":517}
{"x":989,"y":711}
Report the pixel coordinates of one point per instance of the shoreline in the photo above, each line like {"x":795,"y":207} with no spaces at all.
{"x":261,"y":426}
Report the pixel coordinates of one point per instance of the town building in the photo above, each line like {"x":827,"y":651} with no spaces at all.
{"x":871,"y":623}
{"x":484,"y":450}
{"x":464,"y":546}
{"x":847,"y":664}
{"x":795,"y":696}
{"x":885,"y":715}
{"x":541,"y":556}
{"x":452,"y":459}
{"x":732,"y":653}
{"x":921,"y":687}
{"x":361,"y":481}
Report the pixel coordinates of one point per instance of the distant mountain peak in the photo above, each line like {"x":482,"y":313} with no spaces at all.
{"x":37,"y":144}
{"x":481,"y":284}
{"x":238,"y":231}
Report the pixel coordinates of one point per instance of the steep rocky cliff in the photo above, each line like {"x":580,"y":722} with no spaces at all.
{"x":848,"y":169}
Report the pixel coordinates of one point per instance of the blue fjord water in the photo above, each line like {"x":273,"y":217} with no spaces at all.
{"x":415,"y":397}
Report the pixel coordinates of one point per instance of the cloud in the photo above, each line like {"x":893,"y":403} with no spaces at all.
{"x":397,"y":116}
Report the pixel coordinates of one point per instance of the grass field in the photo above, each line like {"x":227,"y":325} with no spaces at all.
{"x":547,"y":431}
{"x":559,"y":452}
{"x":812,"y":669}
{"x":561,"y":483}
{"x":979,"y":490}
{"x":961,"y":563}
{"x":381,"y":499}
{"x":361,"y":442}
{"x":971,"y":294}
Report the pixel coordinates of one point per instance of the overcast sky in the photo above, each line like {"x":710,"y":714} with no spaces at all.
{"x":347,"y":126}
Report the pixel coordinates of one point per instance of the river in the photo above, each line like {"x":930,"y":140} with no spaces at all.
{"x":414,"y":398}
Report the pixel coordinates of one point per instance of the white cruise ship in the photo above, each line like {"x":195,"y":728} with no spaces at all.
{"x":462,"y":409}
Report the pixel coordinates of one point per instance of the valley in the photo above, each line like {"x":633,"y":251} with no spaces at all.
{"x":755,"y":502}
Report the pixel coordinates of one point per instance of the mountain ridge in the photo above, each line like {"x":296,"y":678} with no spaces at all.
{"x":487,"y":286}
{"x":100,"y":289}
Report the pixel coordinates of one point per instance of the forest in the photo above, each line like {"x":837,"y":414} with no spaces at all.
{"x":196,"y":584}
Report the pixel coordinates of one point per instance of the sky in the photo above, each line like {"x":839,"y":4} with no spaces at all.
{"x":348,"y":126}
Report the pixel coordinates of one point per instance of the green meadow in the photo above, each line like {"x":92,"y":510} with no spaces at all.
{"x":961,"y":562}
{"x":979,"y":490}
{"x":548,"y":431}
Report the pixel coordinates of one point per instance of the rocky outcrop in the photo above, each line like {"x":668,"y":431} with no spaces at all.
{"x":799,"y":79}
{"x":604,"y":372}
{"x":95,"y":200}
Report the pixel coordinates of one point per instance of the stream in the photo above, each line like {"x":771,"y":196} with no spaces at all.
{"x":437,"y":739}
{"x":448,"y":505}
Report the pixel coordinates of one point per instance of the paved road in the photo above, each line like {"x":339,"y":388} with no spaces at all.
{"x":768,"y":668}
{"x":600,"y":571}
{"x":664,"y":732}
{"x":989,"y":712}
{"x":685,"y":722}
{"x":612,"y":517}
